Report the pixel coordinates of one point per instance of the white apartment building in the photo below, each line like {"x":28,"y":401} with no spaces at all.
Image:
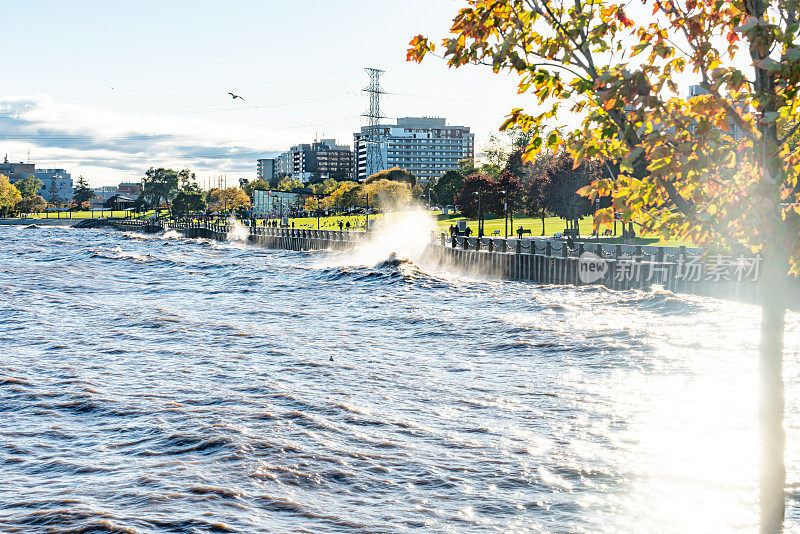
{"x":425,"y":146}
{"x":56,"y":185}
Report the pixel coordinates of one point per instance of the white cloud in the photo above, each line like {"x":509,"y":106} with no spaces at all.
{"x":107,"y":146}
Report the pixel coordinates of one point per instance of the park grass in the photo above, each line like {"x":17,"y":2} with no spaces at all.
{"x":552,"y":225}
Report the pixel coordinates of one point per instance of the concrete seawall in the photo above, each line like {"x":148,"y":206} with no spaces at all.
{"x":277,"y":238}
{"x":616,"y":267}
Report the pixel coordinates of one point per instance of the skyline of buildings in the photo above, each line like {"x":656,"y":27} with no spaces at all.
{"x":426,"y":146}
{"x":56,"y":183}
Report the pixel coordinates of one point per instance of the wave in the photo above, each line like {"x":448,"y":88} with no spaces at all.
{"x":392,"y":270}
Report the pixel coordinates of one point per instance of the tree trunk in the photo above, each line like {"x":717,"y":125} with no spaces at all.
{"x":542,"y":224}
{"x":771,"y":395}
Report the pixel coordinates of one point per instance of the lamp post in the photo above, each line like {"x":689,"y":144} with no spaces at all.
{"x":366,"y":223}
{"x":505,"y":212}
{"x":479,"y":192}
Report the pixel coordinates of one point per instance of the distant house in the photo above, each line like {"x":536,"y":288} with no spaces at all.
{"x":119,"y":202}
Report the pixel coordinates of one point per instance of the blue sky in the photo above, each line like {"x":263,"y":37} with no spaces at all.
{"x":108,"y":89}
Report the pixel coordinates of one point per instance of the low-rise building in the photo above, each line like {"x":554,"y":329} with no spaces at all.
{"x":102,"y":195}
{"x":130,"y":189}
{"x":16,"y":171}
{"x":274,"y":204}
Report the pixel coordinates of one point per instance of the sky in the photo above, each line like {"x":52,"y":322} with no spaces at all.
{"x":107,"y":89}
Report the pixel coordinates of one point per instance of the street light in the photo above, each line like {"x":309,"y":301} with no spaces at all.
{"x":479,"y":192}
{"x":505,"y":212}
{"x":366,"y":223}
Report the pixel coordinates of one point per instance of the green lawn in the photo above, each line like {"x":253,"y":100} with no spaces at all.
{"x":552,"y":225}
{"x":357,"y":222}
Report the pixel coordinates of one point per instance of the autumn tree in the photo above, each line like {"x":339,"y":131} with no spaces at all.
{"x":289,"y":184}
{"x":227,"y":200}
{"x":479,"y":192}
{"x":720,"y":169}
{"x":34,"y":204}
{"x":257,"y":185}
{"x":9,"y":196}
{"x":388,"y":194}
{"x":394,"y":174}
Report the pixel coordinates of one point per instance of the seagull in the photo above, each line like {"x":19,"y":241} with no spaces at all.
{"x":235,"y":96}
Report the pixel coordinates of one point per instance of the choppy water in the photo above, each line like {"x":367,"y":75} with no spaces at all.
{"x":161,"y":384}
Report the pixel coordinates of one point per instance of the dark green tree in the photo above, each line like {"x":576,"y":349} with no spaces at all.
{"x":161,"y":184}
{"x":29,"y":186}
{"x":188,"y":201}
{"x":447,"y":187}
{"x":82,"y":193}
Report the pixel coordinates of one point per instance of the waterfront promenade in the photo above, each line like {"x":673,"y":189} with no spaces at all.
{"x":618,"y":267}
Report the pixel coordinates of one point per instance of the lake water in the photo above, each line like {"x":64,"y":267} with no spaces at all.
{"x":155,"y":383}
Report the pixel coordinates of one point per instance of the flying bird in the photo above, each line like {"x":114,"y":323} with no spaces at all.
{"x":235,"y":96}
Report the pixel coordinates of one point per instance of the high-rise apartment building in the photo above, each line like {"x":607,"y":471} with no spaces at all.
{"x":318,"y":160}
{"x":266,"y":169}
{"x":425,"y":146}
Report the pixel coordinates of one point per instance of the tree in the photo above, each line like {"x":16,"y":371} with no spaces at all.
{"x":188,"y":201}
{"x":534,"y":185}
{"x":448,"y":186}
{"x":258,"y":185}
{"x":9,"y":196}
{"x":467,"y":167}
{"x":82,"y":193}
{"x":34,"y":204}
{"x":468,"y":197}
{"x":227,"y":200}
{"x":161,"y":184}
{"x":348,"y":195}
{"x":563,"y":182}
{"x":29,"y":186}
{"x":289,"y":184}
{"x":494,"y":156}
{"x":720,"y":169}
{"x":326,"y":187}
{"x":396,"y":174}
{"x":387,"y":194}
